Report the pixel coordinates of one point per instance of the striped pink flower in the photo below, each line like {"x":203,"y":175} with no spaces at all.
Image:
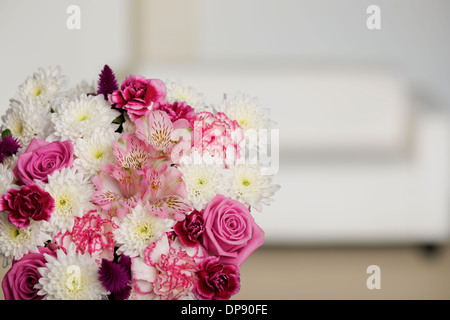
{"x":217,"y":136}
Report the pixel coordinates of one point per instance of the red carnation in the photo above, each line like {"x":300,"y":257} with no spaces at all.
{"x":216,"y":281}
{"x":190,"y":229}
{"x":30,"y":202}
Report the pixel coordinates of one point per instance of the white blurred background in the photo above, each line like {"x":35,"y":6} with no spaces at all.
{"x":363,"y":114}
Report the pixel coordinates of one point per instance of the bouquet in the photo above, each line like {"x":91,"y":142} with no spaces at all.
{"x":134,"y":192}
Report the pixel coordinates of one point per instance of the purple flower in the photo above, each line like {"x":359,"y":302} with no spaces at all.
{"x":116,"y":277}
{"x":8,"y":146}
{"x":107,"y":83}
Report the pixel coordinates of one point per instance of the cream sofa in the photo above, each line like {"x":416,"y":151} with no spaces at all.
{"x":361,"y":162}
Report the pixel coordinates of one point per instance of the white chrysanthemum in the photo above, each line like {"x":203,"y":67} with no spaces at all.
{"x":79,"y":117}
{"x":71,"y":276}
{"x":10,"y":162}
{"x":7,"y":179}
{"x":95,"y":150}
{"x":15,"y":242}
{"x":27,"y":119}
{"x":72,"y":193}
{"x":203,"y":182}
{"x":246,"y":111}
{"x":138,"y":229}
{"x":81,"y":88}
{"x":128,"y":126}
{"x":178,"y":92}
{"x":251,"y":187}
{"x":43,"y":86}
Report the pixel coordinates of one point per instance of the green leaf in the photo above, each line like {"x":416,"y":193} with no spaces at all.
{"x":120,"y":119}
{"x":6,"y":133}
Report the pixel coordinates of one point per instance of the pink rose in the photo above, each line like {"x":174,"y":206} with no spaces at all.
{"x":137,"y":93}
{"x":19,"y":281}
{"x":215,"y":281}
{"x":30,"y":202}
{"x":230,"y":231}
{"x":43,"y":158}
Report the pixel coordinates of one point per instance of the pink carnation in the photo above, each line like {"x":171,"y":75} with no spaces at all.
{"x":178,"y":110}
{"x":92,"y":233}
{"x":167,"y":271}
{"x":137,"y":93}
{"x":218,"y":136}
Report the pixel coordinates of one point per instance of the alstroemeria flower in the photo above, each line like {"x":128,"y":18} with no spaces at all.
{"x":132,"y":153}
{"x":159,"y":132}
{"x":118,"y":189}
{"x":166,"y":192}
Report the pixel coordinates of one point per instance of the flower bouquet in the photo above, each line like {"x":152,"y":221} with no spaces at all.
{"x":137,"y":192}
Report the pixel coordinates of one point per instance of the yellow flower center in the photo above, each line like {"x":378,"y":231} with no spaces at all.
{"x":98,"y":154}
{"x":82,"y":117}
{"x":73,"y":281}
{"x":36,"y":91}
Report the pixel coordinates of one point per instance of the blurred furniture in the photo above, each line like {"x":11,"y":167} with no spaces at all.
{"x":361,"y":162}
